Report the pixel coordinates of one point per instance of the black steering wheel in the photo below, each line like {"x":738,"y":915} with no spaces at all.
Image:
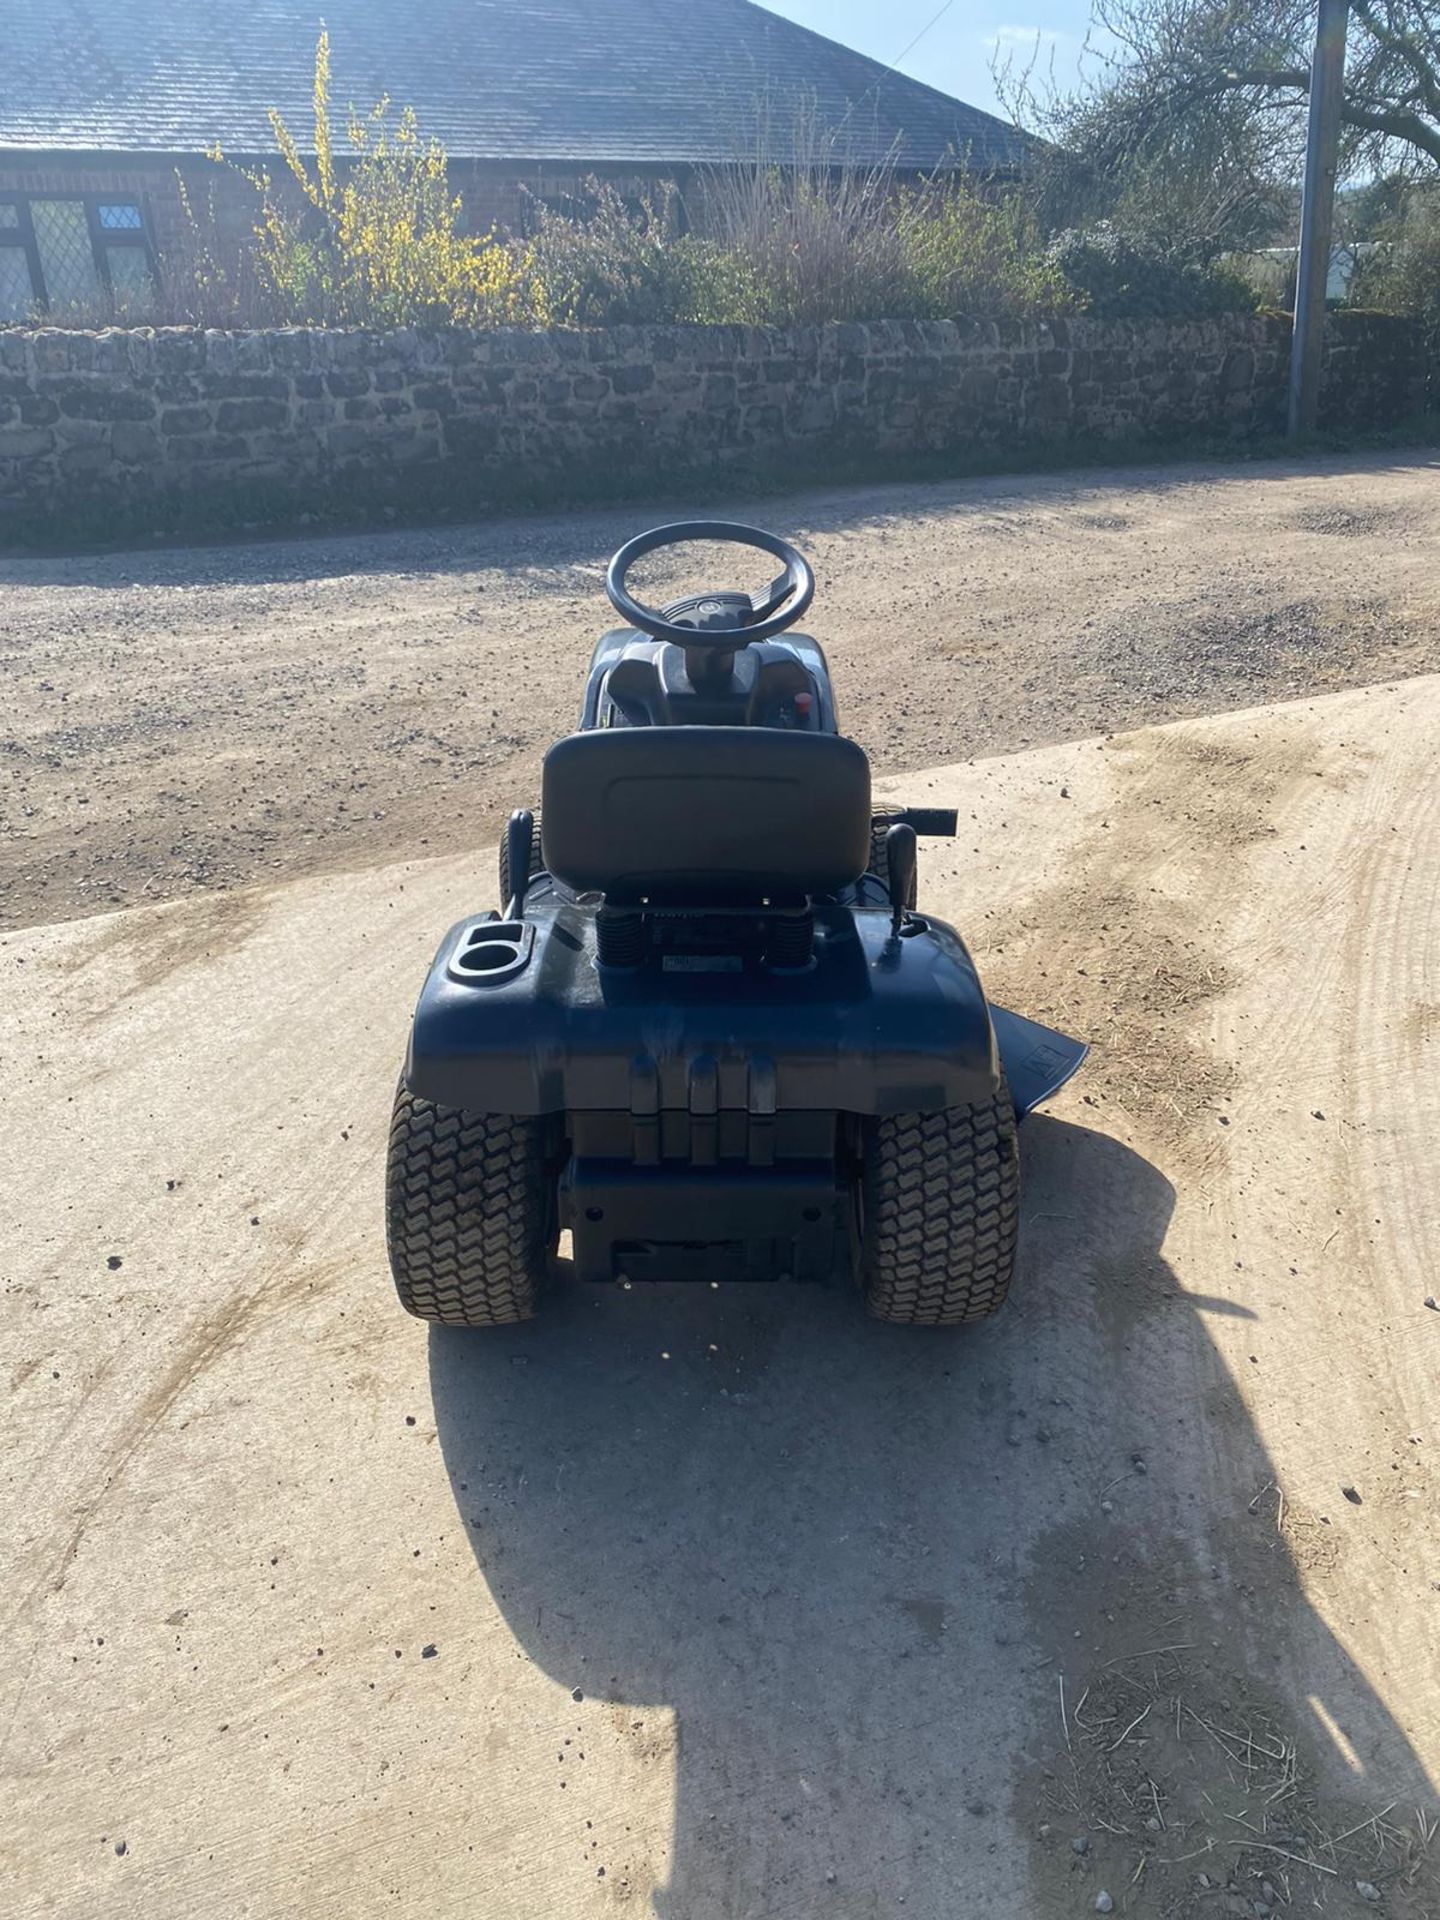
{"x":723,"y":621}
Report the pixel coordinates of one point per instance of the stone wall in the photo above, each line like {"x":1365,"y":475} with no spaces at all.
{"x":160,"y":420}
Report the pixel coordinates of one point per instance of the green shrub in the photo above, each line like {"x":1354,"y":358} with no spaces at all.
{"x":1123,"y":278}
{"x":973,"y":258}
{"x":782,"y":250}
{"x":1270,"y":275}
{"x":609,"y":262}
{"x":1402,"y":274}
{"x":807,"y":245}
{"x":827,"y":241}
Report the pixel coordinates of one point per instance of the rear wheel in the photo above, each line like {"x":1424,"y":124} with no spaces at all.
{"x":467,"y":1213}
{"x":941,"y":1199}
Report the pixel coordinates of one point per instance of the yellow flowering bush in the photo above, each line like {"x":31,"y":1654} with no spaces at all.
{"x":375,"y":239}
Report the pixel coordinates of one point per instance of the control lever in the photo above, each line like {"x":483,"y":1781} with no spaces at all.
{"x":519,"y":839}
{"x":900,"y":865}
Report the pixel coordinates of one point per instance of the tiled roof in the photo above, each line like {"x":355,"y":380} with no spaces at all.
{"x":639,"y":81}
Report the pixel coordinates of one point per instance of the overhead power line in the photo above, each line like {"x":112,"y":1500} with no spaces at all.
{"x":934,"y":21}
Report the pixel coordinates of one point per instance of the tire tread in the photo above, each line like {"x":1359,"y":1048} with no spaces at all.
{"x":466,"y":1214}
{"x":942,"y":1213}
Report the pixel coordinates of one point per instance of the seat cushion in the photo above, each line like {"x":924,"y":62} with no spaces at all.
{"x":705,"y":813}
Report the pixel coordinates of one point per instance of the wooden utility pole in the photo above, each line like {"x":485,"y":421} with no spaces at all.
{"x":1317,"y":213}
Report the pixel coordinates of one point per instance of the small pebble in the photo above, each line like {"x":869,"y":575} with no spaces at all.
{"x":1432,"y":1303}
{"x":114,"y":1263}
{"x":1080,"y":1844}
{"x":1351,"y":1495}
{"x":428,"y":1653}
{"x":1366,"y":1891}
{"x":1103,"y":1902}
{"x":120,"y":1847}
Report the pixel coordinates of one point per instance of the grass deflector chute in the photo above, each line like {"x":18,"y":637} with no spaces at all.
{"x":708,"y":1032}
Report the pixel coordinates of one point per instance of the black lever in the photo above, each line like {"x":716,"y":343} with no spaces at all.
{"x":519,"y":839}
{"x":900,"y":865}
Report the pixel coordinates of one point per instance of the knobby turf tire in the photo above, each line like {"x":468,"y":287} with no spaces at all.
{"x":536,"y":863}
{"x":467,"y":1213}
{"x":941,"y":1196}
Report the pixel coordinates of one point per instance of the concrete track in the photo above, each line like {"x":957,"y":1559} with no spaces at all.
{"x":722,"y":1605}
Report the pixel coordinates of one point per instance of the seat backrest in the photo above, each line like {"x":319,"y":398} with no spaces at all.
{"x":705,"y":814}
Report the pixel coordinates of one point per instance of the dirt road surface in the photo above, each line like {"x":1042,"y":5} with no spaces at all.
{"x":733,"y":1606}
{"x":183,"y":720}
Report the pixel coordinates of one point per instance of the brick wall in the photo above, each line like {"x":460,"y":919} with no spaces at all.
{"x":493,"y":194}
{"x":171,"y":417}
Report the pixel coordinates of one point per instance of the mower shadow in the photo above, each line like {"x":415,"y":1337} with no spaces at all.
{"x":838,"y":1556}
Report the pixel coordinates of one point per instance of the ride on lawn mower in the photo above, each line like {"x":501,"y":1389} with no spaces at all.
{"x":708,"y":1032}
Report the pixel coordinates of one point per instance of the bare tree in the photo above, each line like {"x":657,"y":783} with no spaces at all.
{"x":1203,"y":102}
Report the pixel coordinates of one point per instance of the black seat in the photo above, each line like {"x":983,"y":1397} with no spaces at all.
{"x":705,"y":815}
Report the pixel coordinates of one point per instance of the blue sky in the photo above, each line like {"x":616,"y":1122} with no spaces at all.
{"x":955,"y":53}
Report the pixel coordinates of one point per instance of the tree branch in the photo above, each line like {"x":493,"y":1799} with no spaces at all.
{"x":1418,"y":56}
{"x":1394,"y":122}
{"x":1408,"y":127}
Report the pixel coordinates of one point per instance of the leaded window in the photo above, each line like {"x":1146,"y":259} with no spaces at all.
{"x":72,"y":253}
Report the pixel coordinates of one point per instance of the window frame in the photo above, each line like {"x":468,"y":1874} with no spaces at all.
{"x":101,"y":238}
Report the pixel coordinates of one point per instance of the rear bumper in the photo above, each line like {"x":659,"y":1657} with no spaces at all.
{"x":873,"y":1025}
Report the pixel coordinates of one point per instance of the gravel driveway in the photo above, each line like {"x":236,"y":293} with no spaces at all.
{"x":192,"y":718}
